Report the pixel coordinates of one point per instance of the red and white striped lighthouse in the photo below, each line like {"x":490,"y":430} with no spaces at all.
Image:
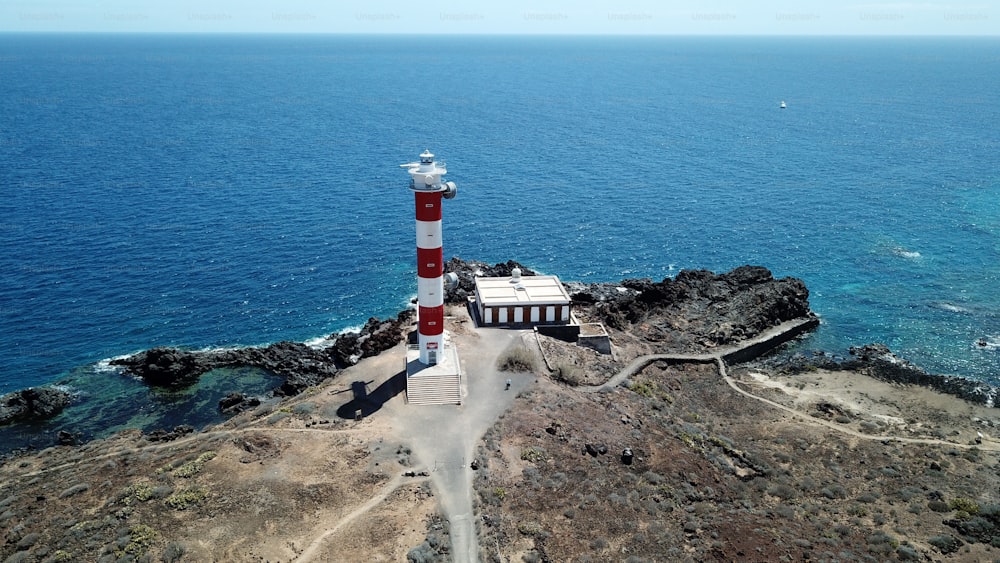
{"x":428,"y":189}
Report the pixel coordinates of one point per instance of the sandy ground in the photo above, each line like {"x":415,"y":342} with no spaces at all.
{"x":899,"y":410}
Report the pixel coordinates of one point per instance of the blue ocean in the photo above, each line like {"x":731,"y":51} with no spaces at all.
{"x":222,"y":190}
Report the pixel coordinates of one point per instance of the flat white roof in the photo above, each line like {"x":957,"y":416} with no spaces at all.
{"x":541,"y":290}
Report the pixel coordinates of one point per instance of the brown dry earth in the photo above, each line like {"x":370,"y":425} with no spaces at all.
{"x":717,"y":475}
{"x":827,"y":466}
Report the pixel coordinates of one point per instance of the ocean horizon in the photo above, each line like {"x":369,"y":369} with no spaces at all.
{"x":228,"y":190}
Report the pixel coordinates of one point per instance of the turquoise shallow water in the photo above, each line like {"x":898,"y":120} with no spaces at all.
{"x":210,"y":191}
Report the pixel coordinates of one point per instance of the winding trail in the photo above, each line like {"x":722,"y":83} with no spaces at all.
{"x":190,"y":438}
{"x":309,"y":552}
{"x":876,"y":437}
{"x":742,"y":351}
{"x":754,"y":347}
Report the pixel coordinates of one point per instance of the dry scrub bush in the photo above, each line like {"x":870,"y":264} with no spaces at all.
{"x":517,"y":359}
{"x":567,"y":374}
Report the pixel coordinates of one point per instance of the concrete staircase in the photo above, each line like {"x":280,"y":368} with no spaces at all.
{"x":434,"y":389}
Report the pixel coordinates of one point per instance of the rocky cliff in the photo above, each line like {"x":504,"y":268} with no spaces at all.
{"x":698,"y":308}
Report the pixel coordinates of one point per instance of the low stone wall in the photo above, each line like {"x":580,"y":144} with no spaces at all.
{"x":757,"y":349}
{"x":566,"y":333}
{"x":595,"y":337}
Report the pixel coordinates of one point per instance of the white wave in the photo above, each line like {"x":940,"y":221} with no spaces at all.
{"x":951,"y":307}
{"x":320,"y":342}
{"x":208,"y":349}
{"x":904,"y":253}
{"x":104,"y":366}
{"x":989,"y":342}
{"x":73,"y":392}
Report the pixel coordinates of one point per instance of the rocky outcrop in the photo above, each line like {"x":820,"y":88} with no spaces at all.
{"x":235,"y":403}
{"x":168,"y":367}
{"x":878,"y":361}
{"x":698,"y":308}
{"x":299,"y":364}
{"x":302,"y":365}
{"x":164,"y":435}
{"x":33,"y":403}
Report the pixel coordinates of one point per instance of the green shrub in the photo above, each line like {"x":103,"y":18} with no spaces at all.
{"x":963,"y":504}
{"x":192,"y":468}
{"x":141,"y":538}
{"x":140,"y":492}
{"x":187,"y":498}
{"x":530,"y":528}
{"x":651,"y":390}
{"x":533,"y":454}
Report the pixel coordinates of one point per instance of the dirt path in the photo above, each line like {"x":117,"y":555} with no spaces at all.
{"x":196,"y":437}
{"x":832,"y":426}
{"x":444,"y":437}
{"x":309,"y":552}
{"x":718,"y":357}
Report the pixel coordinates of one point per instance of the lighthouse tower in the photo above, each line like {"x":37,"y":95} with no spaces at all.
{"x":428,"y":189}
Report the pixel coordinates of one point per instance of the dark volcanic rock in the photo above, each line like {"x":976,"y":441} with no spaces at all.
{"x":468,"y":270}
{"x":33,"y":403}
{"x":235,"y":403}
{"x":168,"y":367}
{"x":876,"y":360}
{"x":698,"y":307}
{"x":301,"y":365}
{"x":163,"y":435}
{"x":65,"y":438}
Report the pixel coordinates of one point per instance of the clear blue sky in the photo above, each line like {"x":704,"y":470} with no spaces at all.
{"x":718,"y":17}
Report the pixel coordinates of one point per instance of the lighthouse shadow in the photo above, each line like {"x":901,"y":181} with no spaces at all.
{"x":365,"y":403}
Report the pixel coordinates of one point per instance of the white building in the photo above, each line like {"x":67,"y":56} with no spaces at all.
{"x":522,"y":300}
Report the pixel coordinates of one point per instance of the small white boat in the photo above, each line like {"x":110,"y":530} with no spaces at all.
{"x":782,"y":106}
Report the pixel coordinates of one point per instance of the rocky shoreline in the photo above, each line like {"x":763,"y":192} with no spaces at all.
{"x":877,"y":361}
{"x":299,"y":364}
{"x":695,"y":311}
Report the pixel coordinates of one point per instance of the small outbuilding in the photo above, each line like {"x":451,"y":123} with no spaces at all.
{"x":521,"y":300}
